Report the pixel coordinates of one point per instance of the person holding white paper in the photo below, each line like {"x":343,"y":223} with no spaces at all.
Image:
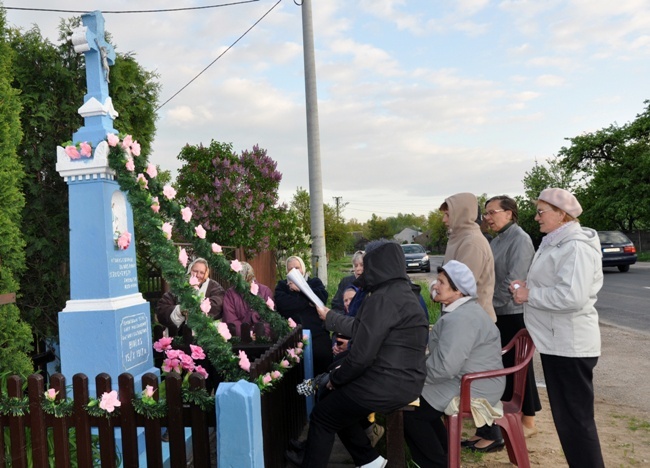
{"x":292,"y":303}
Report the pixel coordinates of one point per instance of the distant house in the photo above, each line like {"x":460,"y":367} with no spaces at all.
{"x":406,"y":236}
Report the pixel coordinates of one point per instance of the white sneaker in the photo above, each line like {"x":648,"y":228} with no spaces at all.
{"x":374,"y":433}
{"x":379,"y":462}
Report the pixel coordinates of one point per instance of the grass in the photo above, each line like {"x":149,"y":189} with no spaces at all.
{"x":643,"y":256}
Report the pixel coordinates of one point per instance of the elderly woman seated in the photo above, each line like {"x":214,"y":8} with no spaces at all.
{"x":235,"y":308}
{"x":464,"y":340}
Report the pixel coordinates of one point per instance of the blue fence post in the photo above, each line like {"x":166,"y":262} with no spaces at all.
{"x":308,"y":357}
{"x":240,"y":443}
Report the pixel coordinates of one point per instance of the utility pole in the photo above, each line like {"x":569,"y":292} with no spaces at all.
{"x":338,"y":207}
{"x":319,"y":254}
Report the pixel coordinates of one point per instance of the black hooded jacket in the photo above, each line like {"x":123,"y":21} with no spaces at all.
{"x":385,"y":368}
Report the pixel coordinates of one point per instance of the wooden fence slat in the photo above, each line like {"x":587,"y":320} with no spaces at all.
{"x":105,"y":425}
{"x":37,"y":419}
{"x":152,"y":433}
{"x":127,"y":421}
{"x":82,"y":421}
{"x":175,"y":426}
{"x":17,"y":426}
{"x":9,"y":298}
{"x":200,"y":436}
{"x":60,"y":430}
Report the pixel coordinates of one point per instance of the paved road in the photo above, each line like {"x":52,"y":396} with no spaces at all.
{"x":624,"y":299}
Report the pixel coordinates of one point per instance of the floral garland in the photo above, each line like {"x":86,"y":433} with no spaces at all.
{"x":159,"y":215}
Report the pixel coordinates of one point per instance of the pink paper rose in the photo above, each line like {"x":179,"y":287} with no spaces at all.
{"x":148,"y":391}
{"x":187,"y":362}
{"x":51,"y":394}
{"x":216,"y":248}
{"x":124,"y":240}
{"x":291,"y":322}
{"x":284,"y":363}
{"x":135,"y":149}
{"x":109,"y":401}
{"x":244,"y":363}
{"x":206,"y":306}
{"x":163,"y":344}
{"x":86,"y":149}
{"x":235,"y":265}
{"x":276,"y":374}
{"x":267,"y":379}
{"x":194,"y":281}
{"x":126,"y":143}
{"x":300,"y":344}
{"x":270,"y":303}
{"x":142,"y":181}
{"x":200,"y":232}
{"x":169,"y":192}
{"x":112,"y":139}
{"x":155,"y":205}
{"x":202,"y":371}
{"x":130,"y":166}
{"x":254,"y":288}
{"x":182,"y":257}
{"x":167,"y":230}
{"x":171,"y":365}
{"x":186,"y":213}
{"x":197,"y":352}
{"x":152,"y":171}
{"x":222,"y":328}
{"x":72,"y":152}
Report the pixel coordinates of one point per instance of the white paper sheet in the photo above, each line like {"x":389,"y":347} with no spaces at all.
{"x":296,"y":278}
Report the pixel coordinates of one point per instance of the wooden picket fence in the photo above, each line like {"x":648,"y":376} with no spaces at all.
{"x":283,"y":417}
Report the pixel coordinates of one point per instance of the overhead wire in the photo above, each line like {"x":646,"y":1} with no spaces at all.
{"x":220,"y":55}
{"x":114,"y":12}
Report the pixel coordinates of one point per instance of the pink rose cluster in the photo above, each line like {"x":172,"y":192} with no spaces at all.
{"x":124,"y":240}
{"x":177,"y":360}
{"x":84,"y":150}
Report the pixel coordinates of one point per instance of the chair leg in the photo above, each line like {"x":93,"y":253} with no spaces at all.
{"x":513,"y":433}
{"x":454,"y":430}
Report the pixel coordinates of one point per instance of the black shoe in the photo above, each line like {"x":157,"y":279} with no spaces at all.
{"x":493,"y":447}
{"x":468,"y":442}
{"x":295,"y":458}
{"x":298,"y":445}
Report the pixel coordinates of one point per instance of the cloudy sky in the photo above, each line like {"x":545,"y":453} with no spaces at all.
{"x":417,"y":99}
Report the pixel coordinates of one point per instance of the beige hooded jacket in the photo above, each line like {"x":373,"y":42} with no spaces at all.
{"x":468,"y":245}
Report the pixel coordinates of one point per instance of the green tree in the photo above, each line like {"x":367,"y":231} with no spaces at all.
{"x":15,"y":335}
{"x":378,"y":228}
{"x":337,"y":236}
{"x":614,"y":163}
{"x":52,"y":83}
{"x":233,"y":196}
{"x":437,"y":231}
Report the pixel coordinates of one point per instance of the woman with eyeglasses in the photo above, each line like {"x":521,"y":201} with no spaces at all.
{"x":558,"y":297}
{"x":513,"y":253}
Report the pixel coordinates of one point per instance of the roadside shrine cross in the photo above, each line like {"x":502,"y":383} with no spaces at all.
{"x":100,"y":55}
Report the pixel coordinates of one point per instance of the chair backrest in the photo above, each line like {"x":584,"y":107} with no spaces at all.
{"x":524,"y":348}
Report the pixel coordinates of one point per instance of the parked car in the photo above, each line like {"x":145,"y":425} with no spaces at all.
{"x":618,"y":250}
{"x":416,"y":257}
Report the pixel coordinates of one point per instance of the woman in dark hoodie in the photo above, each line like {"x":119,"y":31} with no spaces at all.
{"x":385,"y":368}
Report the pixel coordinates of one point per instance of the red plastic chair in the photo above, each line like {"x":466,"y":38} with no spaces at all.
{"x":513,"y":431}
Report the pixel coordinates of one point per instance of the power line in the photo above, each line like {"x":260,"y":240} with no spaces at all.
{"x":167,"y":10}
{"x":220,"y":55}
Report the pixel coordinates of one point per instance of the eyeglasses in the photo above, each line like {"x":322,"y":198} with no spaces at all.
{"x":492,"y":212}
{"x":541,"y":212}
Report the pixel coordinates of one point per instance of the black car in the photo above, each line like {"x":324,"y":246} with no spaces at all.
{"x":618,"y":250}
{"x":416,"y":257}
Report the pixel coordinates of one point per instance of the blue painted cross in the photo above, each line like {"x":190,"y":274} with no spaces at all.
{"x":100,"y":55}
